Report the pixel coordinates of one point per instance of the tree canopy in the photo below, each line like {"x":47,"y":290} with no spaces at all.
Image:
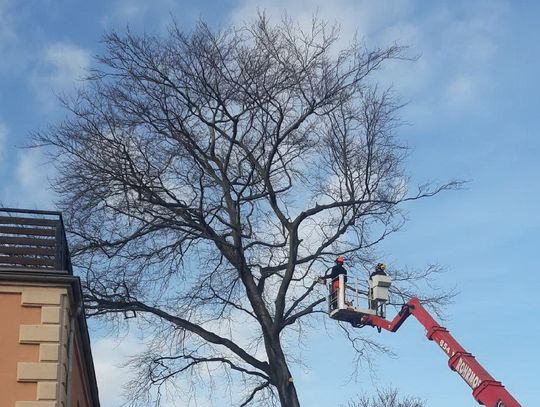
{"x":208,"y":177}
{"x":387,"y":398}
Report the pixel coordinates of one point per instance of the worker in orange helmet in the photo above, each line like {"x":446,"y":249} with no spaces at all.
{"x":337,"y":270}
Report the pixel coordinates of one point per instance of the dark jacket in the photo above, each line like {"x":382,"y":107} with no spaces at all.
{"x":336,"y":271}
{"x":378,"y":272}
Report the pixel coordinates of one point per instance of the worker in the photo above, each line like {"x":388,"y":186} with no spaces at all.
{"x":380,"y":270}
{"x":337,"y":270}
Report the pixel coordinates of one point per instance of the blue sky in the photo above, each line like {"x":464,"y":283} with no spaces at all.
{"x":472,"y":114}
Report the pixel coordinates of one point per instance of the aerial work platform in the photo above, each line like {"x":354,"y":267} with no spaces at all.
{"x":346,"y":308}
{"x":351,"y":314}
{"x":485,"y":389}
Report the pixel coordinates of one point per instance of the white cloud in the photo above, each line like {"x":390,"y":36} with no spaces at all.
{"x":6,"y":22}
{"x":28,"y":172}
{"x":134,"y":12}
{"x":366,"y":19}
{"x":109,"y":355}
{"x":29,"y":185}
{"x":462,"y":90}
{"x":132,"y":9}
{"x":60,"y":69}
{"x":13,"y":53}
{"x":456,"y":45}
{"x":67,"y":63}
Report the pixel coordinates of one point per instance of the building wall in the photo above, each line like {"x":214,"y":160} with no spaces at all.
{"x":34,"y":348}
{"x":80,"y":395}
{"x":12,"y":315}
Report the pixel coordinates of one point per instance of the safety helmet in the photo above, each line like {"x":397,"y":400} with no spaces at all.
{"x":339,"y":259}
{"x":381,"y":266}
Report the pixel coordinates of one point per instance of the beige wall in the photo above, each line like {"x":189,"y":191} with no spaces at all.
{"x":12,"y":315}
{"x":79,"y":385}
{"x":34,"y":346}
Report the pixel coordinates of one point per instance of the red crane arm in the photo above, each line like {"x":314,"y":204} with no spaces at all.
{"x":486,"y":390}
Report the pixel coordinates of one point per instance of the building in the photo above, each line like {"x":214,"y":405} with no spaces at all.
{"x":45,"y":355}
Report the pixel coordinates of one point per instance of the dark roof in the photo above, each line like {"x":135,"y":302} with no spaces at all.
{"x":34,"y":240}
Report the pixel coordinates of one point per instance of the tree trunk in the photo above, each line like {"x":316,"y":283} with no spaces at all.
{"x":287,"y":394}
{"x":285,"y":385}
{"x":279,"y":371}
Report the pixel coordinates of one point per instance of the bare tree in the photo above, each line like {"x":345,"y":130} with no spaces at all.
{"x":209,"y":177}
{"x":387,"y":398}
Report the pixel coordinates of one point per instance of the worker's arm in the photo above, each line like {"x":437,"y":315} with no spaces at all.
{"x":327,"y":275}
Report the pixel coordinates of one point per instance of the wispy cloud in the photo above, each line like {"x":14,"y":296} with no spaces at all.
{"x":6,"y":22}
{"x":14,"y":52}
{"x":109,"y":355}
{"x":29,"y":184}
{"x":27,"y":171}
{"x":130,"y":10}
{"x":456,"y":45}
{"x":156,"y":13}
{"x":59,"y":70}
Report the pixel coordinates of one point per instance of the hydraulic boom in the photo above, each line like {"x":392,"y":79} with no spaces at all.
{"x":486,"y":390}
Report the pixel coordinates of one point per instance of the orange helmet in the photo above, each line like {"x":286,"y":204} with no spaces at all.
{"x":339,"y":259}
